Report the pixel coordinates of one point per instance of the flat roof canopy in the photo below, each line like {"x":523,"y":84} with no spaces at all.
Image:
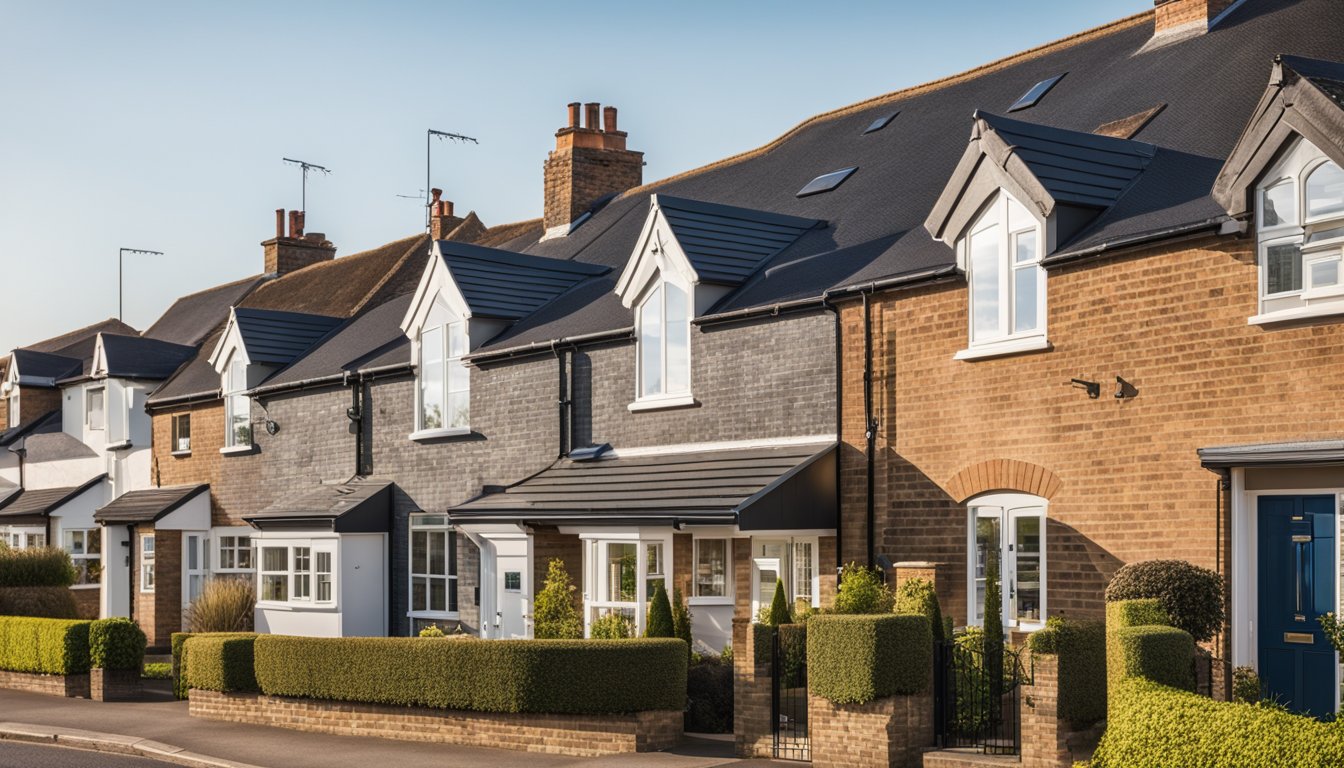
{"x":359,"y":506}
{"x":1301,"y":454}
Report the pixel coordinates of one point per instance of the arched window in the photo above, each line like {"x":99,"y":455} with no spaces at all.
{"x":664,"y":327}
{"x":1300,"y":235}
{"x":1007,"y":532}
{"x":1002,"y":255}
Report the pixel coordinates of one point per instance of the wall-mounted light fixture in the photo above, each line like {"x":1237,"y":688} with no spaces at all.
{"x":1124,"y":390}
{"x":272,"y":426}
{"x":1093,"y":388}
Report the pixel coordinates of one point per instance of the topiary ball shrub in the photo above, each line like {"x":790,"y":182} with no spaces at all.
{"x":116,"y":643}
{"x":1191,"y":596}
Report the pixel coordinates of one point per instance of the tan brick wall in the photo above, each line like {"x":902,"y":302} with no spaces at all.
{"x":1170,"y":14}
{"x":34,"y":402}
{"x":159,"y":613}
{"x":752,"y":734}
{"x":114,"y":685}
{"x":1172,"y":322}
{"x":1044,"y":733}
{"x":578,"y":735}
{"x":70,"y":686}
{"x":204,"y":463}
{"x":893,"y":731}
{"x":547,"y":545}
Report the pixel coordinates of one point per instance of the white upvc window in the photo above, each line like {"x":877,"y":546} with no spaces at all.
{"x":622,"y":576}
{"x":85,"y":546}
{"x":300,"y":574}
{"x":95,"y":410}
{"x":663,"y":328}
{"x":23,"y":537}
{"x":1300,"y":236}
{"x":1008,"y":530}
{"x":433,"y":583}
{"x":1002,"y":254}
{"x":791,"y":562}
{"x":713,"y":569}
{"x":181,"y":433}
{"x":237,"y":406}
{"x":444,"y":390}
{"x":235,"y":553}
{"x":14,"y":408}
{"x":147,"y":563}
{"x":274,"y":574}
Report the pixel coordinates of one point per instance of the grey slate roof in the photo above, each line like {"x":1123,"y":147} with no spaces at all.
{"x":726,"y":244}
{"x":360,"y":505}
{"x":192,"y":318}
{"x":370,"y":340}
{"x":505,"y":285}
{"x":71,"y":344}
{"x":47,"y":422}
{"x":39,"y":502}
{"x":750,"y":487}
{"x":195,"y":379}
{"x":148,"y":505}
{"x":44,"y":369}
{"x":137,"y":357}
{"x":277,"y":338}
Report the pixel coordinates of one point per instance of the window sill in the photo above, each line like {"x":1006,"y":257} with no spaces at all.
{"x":273,"y":605}
{"x":181,"y":454}
{"x":237,"y":449}
{"x":709,"y":601}
{"x":85,"y":586}
{"x":435,"y":434}
{"x":1298,"y":313}
{"x":663,"y":403}
{"x":1003,"y":348}
{"x":121,"y":446}
{"x":450,"y":616}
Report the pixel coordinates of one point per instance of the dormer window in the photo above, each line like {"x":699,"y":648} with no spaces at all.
{"x":1002,"y":256}
{"x":95,"y":414}
{"x":13,"y":407}
{"x":445,"y":382}
{"x":237,"y":406}
{"x":664,"y":328}
{"x":1300,"y":236}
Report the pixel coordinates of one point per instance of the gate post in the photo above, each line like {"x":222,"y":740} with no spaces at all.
{"x":752,"y":700}
{"x":1044,"y":733}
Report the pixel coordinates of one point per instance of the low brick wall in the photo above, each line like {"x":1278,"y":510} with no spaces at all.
{"x":1044,"y":733}
{"x":894,"y":731}
{"x":577,"y":735}
{"x":752,"y":733}
{"x":70,"y":686}
{"x":114,"y":684}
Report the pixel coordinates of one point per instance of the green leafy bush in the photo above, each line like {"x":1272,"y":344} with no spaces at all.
{"x":178,"y":644}
{"x":709,"y":695}
{"x":157,"y":671}
{"x":1246,"y":687}
{"x":1191,"y":596}
{"x":39,"y":602}
{"x":1161,"y":654}
{"x":116,"y":643}
{"x":1081,"y":649}
{"x":778,"y":613}
{"x":862,"y":591}
{"x":225,"y":605}
{"x":541,"y":676}
{"x":1154,"y":726}
{"x":37,"y":567}
{"x":613,"y":626}
{"x":556,"y":616}
{"x":658,"y":623}
{"x":223,"y":662}
{"x":44,"y":646}
{"x":681,"y":618}
{"x":919,"y":596}
{"x":856,"y":659}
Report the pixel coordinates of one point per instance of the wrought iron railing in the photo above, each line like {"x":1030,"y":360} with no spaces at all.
{"x":977,"y":697}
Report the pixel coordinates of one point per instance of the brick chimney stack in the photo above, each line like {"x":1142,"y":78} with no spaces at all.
{"x":1178,"y":19}
{"x":589,"y":161}
{"x":441,"y":218}
{"x":287,"y":253}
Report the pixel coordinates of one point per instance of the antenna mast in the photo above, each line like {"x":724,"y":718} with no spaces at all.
{"x":429,"y":134}
{"x":306,"y":166}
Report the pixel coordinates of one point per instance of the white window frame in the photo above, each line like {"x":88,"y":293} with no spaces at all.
{"x":24,"y":537}
{"x":427,"y":524}
{"x":147,"y":559}
{"x":786,"y":562}
{"x":597,"y":598}
{"x":728,"y":596}
{"x":228,"y":549}
{"x":235,"y":400}
{"x":13,"y":415}
{"x":300,"y":576}
{"x":101,"y":392}
{"x":177,"y":448}
{"x":449,"y":359}
{"x":665,"y":395}
{"x":1011,"y":506}
{"x":82,"y":560}
{"x":997,"y":214}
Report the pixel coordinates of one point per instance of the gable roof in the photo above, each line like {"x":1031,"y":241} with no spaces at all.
{"x":43,"y":369}
{"x":1305,"y":97}
{"x":137,"y":357}
{"x":40,"y":502}
{"x":505,"y":285}
{"x":72,"y":343}
{"x":191,"y":318}
{"x":271,"y":337}
{"x":724,"y":243}
{"x":374,"y":338}
{"x":147,"y":505}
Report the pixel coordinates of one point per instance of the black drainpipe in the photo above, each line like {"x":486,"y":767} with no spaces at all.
{"x":1224,"y":486}
{"x":563,"y":387}
{"x":356,"y":415}
{"x":131,"y":570}
{"x":870,"y":423}
{"x":839,"y":427}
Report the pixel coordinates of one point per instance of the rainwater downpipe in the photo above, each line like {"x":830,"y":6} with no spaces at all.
{"x":869,"y":423}
{"x":564,"y":385}
{"x":356,"y":415}
{"x":839,"y":427}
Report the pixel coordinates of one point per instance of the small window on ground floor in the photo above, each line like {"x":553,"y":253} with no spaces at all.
{"x":147,"y":563}
{"x":85,"y":546}
{"x":290,"y":574}
{"x":624,"y":574}
{"x":433,"y":566}
{"x":235,"y":553}
{"x":711,"y":567}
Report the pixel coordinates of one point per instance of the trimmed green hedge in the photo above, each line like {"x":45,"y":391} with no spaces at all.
{"x":1161,"y":654}
{"x":540,"y":676}
{"x":41,"y":602}
{"x":44,"y":646}
{"x":40,"y":567}
{"x":1136,"y":613}
{"x":220,"y":662}
{"x":854,"y":659}
{"x":1153,"y":726}
{"x":116,"y":644}
{"x":177,"y":643}
{"x":1081,"y":648}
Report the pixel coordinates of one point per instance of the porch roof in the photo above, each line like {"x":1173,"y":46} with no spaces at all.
{"x":358,"y":506}
{"x":32,"y":505}
{"x":1306,"y":453}
{"x":148,"y":505}
{"x":756,"y":488}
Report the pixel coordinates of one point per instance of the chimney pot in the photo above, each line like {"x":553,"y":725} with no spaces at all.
{"x":279,"y":222}
{"x":574,"y":114}
{"x":436,"y":193}
{"x":285,"y":254}
{"x":609,"y":120}
{"x":587,"y":165}
{"x":294,"y":224}
{"x":590,"y":120}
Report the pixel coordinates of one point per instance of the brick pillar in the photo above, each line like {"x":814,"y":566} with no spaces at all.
{"x":751,"y":694}
{"x":682,"y":567}
{"x":894,"y":731}
{"x":826,"y":570}
{"x":1044,"y":733}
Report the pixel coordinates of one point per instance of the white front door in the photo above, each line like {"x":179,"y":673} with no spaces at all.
{"x":765,"y":571}
{"x":513,"y":616}
{"x":196,"y":567}
{"x":1007,"y":530}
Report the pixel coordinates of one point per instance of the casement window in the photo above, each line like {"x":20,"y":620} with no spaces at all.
{"x":1002,"y":254}
{"x":275,"y":574}
{"x":1007,"y":531}
{"x":791,"y":562}
{"x":85,"y":546}
{"x":181,"y":433}
{"x":95,"y":412}
{"x":235,"y":553}
{"x":712,"y":568}
{"x":147,"y":563}
{"x":805,"y":572}
{"x":622,"y":576}
{"x":1300,"y":236}
{"x":663,"y":321}
{"x":445,"y":382}
{"x":23,"y":538}
{"x":237,"y":406}
{"x":296,"y":574}
{"x":433,"y":567}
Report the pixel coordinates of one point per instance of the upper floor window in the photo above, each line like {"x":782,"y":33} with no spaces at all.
{"x":237,"y":406}
{"x":14,"y":408}
{"x":94,"y":409}
{"x":663,"y":322}
{"x":1002,"y":252}
{"x":182,"y":433}
{"x":445,"y":382}
{"x":1300,"y":236}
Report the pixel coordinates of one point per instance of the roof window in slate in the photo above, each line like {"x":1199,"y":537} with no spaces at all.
{"x":826,"y":182}
{"x":1036,"y":93}
{"x":880,"y":123}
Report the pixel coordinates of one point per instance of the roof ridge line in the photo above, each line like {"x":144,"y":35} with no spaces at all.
{"x":378,"y":286}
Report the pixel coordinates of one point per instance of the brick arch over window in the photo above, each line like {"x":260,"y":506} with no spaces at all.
{"x":1003,"y":475}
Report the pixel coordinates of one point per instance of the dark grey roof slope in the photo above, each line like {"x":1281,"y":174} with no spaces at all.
{"x":277,"y":338}
{"x":358,"y":506}
{"x":196,"y":379}
{"x":191,"y":318}
{"x":148,"y":505}
{"x":506,"y":285}
{"x":373,"y":339}
{"x":789,"y":487}
{"x":137,"y":357}
{"x":39,"y":502}
{"x":47,"y":422}
{"x":72,"y":343}
{"x":43,"y":369}
{"x":726,"y":244}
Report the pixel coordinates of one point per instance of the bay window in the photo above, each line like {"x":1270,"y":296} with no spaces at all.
{"x":275,"y":574}
{"x":1007,"y":538}
{"x":444,"y":381}
{"x":296,"y":574}
{"x":85,"y":546}
{"x":237,"y":406}
{"x":1002,"y":255}
{"x":433,"y":567}
{"x":663,"y":323}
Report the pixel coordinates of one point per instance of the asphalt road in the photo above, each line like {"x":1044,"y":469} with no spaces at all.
{"x":16,"y":755}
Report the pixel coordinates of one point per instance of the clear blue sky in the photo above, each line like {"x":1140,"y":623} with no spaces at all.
{"x":162,"y":125}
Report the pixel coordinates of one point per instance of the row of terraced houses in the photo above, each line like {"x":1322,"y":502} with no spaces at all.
{"x":1073,"y":309}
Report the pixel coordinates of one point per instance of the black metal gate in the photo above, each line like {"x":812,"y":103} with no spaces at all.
{"x":977,"y":697}
{"x":788,"y":693}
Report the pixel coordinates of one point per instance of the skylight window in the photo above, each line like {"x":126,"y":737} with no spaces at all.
{"x":1036,"y":93}
{"x":826,"y":182}
{"x":880,"y":123}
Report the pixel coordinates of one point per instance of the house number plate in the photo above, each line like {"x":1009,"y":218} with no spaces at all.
{"x":1305,"y":638}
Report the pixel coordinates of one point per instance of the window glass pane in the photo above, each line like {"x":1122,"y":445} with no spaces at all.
{"x":428,"y":521}
{"x":240,"y":424}
{"x":431,"y":395}
{"x":93,"y":542}
{"x":457,"y":339}
{"x":1018,"y":217}
{"x":766,"y":587}
{"x":651,"y":344}
{"x":1325,"y":191}
{"x":513,"y":581}
{"x":95,"y":409}
{"x":1024,"y":246}
{"x":419,"y":552}
{"x":419,"y":593}
{"x":438,"y":564}
{"x":1325,"y":234}
{"x":653,"y":555}
{"x":1283,"y":268}
{"x":711,"y":568}
{"x":987,"y":545}
{"x":438,"y":594}
{"x":1026,"y":284}
{"x":459,"y":409}
{"x":323,"y":576}
{"x":1324,"y":273}
{"x":1027,"y":589}
{"x":1278,"y":205}
{"x":273,"y":587}
{"x":621,"y":572}
{"x":274,"y":559}
{"x":985,"y":277}
{"x":678,"y":339}
{"x":74,"y":542}
{"x":802,"y":570}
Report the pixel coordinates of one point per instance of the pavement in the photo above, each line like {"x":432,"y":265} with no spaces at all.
{"x":18,"y":755}
{"x":161,"y":729}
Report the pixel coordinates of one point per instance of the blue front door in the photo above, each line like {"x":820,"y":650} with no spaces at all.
{"x":1296,"y":585}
